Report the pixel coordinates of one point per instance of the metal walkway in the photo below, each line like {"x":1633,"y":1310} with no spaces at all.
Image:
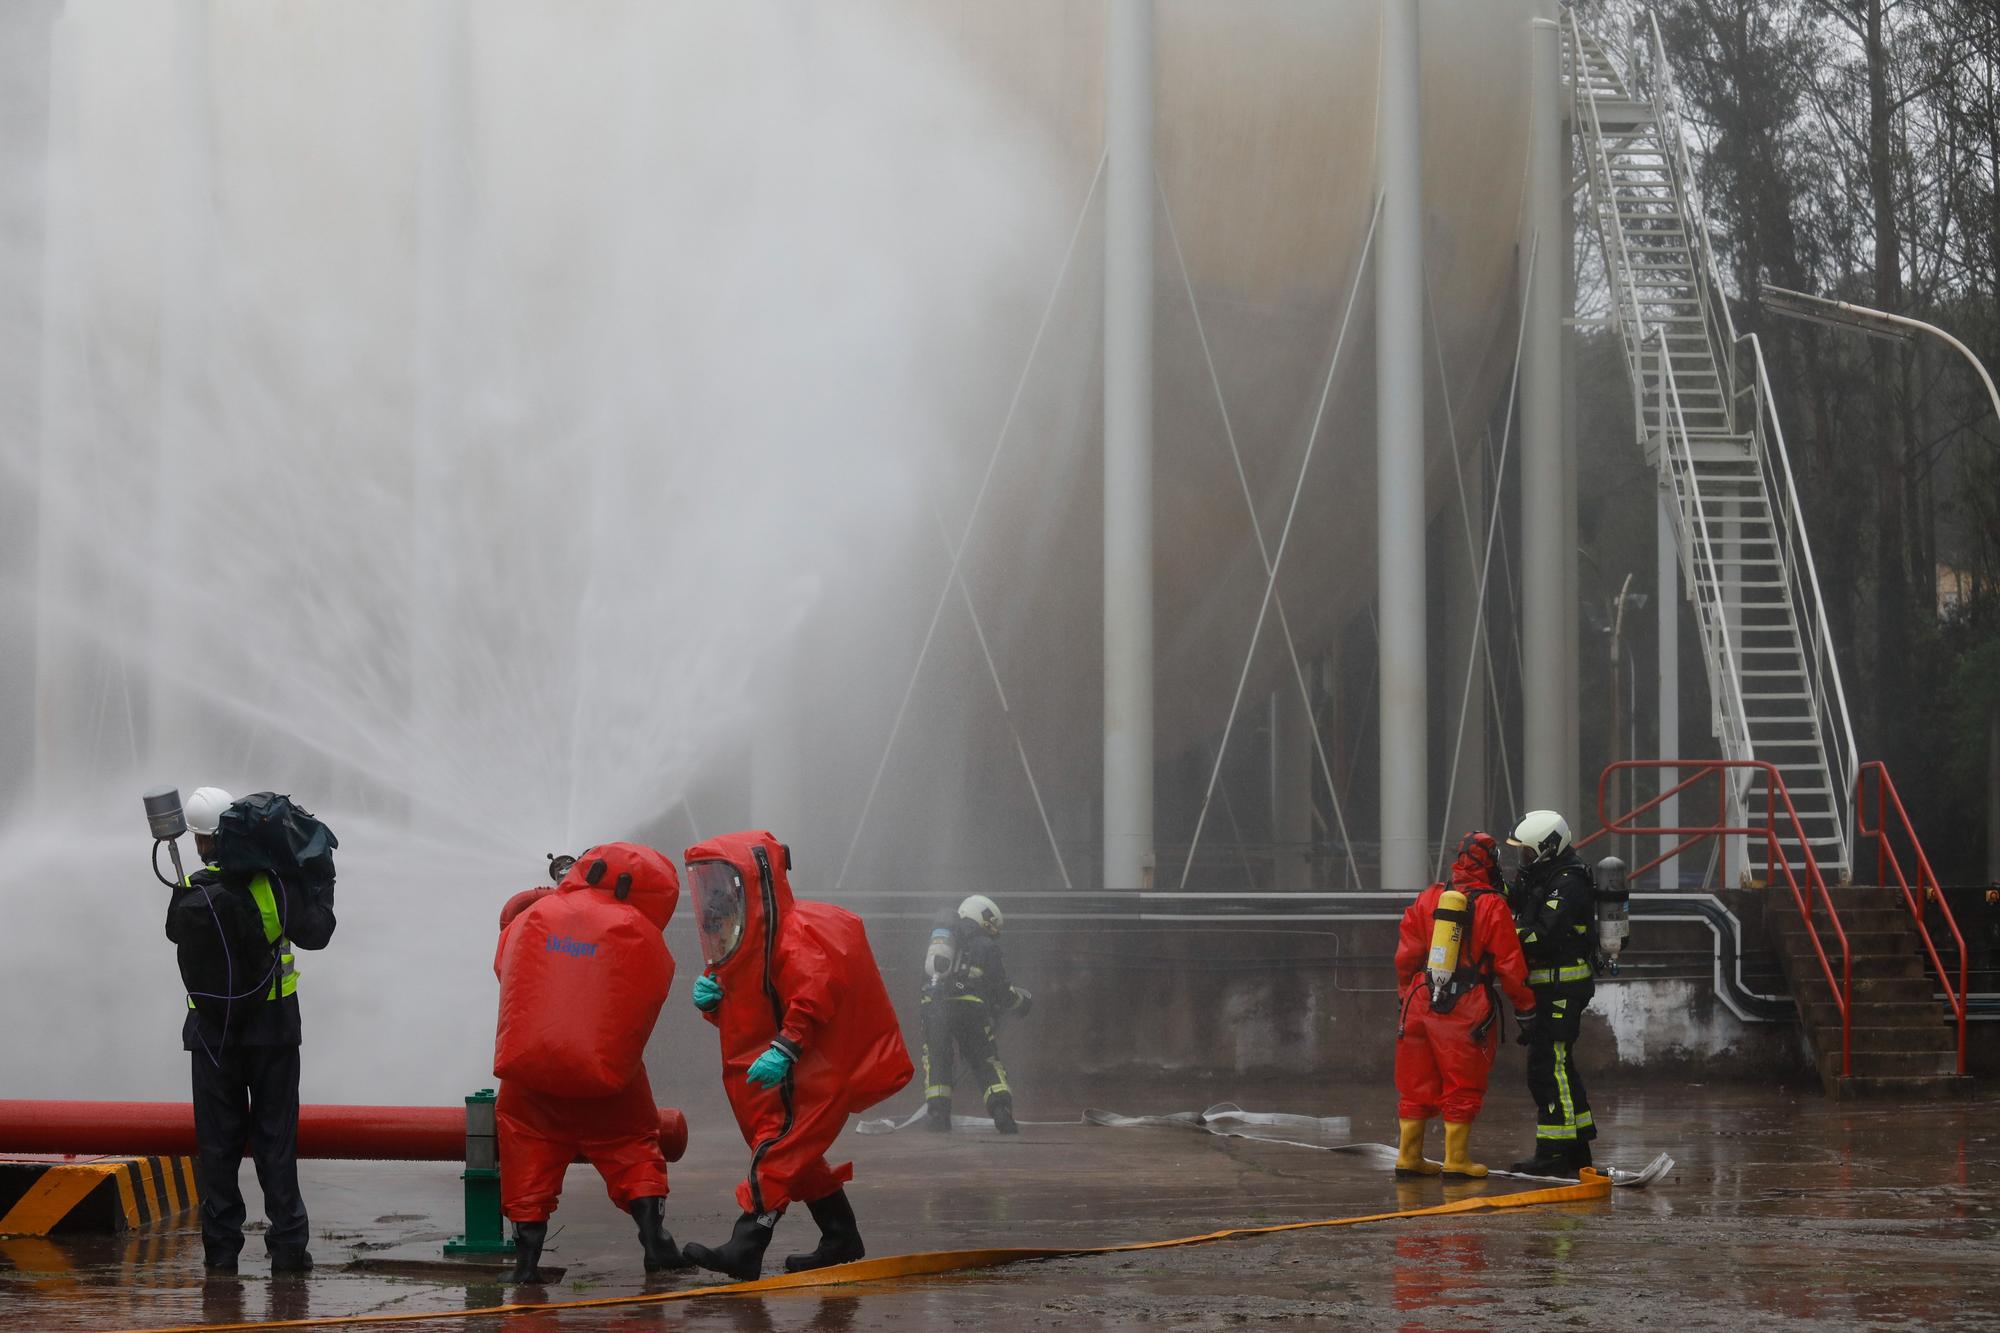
{"x":1703,"y":415}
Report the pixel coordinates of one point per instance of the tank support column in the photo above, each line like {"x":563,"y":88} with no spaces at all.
{"x":1399,"y":459}
{"x":1128,"y":449}
{"x":1548,"y":685}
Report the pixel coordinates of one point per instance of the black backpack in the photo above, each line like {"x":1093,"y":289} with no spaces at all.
{"x":269,"y":833}
{"x":223,"y":954}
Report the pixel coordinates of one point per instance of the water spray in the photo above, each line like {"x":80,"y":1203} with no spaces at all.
{"x":163,"y":813}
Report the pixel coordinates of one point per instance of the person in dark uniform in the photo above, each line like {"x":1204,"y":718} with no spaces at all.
{"x":245,"y":1044}
{"x":1555,"y":910}
{"x":965,"y":993}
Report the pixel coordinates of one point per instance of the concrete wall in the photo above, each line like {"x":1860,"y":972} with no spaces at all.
{"x":1213,"y":1003}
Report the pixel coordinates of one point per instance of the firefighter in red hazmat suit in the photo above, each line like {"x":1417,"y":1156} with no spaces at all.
{"x":808,"y":1038}
{"x":583,"y":972}
{"x":1457,"y":945}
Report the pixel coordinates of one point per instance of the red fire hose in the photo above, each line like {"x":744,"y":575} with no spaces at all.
{"x":357,"y":1133}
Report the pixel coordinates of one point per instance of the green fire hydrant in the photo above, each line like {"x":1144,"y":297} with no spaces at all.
{"x":485,"y":1229}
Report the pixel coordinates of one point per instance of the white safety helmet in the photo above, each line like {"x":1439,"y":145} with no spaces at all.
{"x":204,"y":809}
{"x":1540,"y":834}
{"x":983,"y":912}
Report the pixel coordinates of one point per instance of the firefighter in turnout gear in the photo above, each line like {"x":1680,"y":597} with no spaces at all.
{"x":242,"y":1031}
{"x":1456,"y":951}
{"x":1555,"y":910}
{"x":965,"y":993}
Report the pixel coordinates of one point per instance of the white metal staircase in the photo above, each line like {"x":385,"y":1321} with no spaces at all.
{"x":1704,"y":416}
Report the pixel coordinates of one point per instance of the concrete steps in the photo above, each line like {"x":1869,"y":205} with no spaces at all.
{"x":1900,"y":1044}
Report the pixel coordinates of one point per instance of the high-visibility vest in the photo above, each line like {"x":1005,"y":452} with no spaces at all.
{"x":287,"y":981}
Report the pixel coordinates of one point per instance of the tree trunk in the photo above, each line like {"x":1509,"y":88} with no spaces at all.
{"x":1891,"y":578}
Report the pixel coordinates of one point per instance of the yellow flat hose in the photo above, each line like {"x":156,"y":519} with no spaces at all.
{"x":1592,"y":1185}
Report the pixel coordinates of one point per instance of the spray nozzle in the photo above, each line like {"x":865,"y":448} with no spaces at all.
{"x":163,"y":813}
{"x":165,"y":817}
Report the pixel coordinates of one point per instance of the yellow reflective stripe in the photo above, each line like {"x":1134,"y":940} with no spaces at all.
{"x":267,"y":907}
{"x":937,"y":1090}
{"x":274,"y":931}
{"x":1543,"y":976}
{"x":1562,"y":1086}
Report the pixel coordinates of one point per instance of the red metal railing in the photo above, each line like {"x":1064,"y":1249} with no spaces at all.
{"x":1779,"y":817}
{"x":1925,"y":888}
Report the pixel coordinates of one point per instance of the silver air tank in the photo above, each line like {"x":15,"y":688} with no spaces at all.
{"x":1614,"y":922}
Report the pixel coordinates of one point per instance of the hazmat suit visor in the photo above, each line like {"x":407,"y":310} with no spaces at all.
{"x":718,"y":907}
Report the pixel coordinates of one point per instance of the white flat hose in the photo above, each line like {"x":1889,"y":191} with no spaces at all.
{"x":1230,"y":1121}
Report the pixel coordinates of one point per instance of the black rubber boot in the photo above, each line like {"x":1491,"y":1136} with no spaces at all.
{"x":662,"y":1255}
{"x":1001,"y":1108}
{"x":1580,"y":1155}
{"x":937,"y":1115}
{"x":291,"y":1259}
{"x":528,"y":1238}
{"x":839,"y":1237}
{"x":742,"y":1256}
{"x":1545,"y":1164}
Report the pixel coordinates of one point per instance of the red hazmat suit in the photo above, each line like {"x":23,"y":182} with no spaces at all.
{"x":803,"y":971}
{"x":583,"y":972}
{"x":1443,"y":1059}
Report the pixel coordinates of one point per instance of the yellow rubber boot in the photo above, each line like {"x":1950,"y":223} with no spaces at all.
{"x":1458,"y":1163}
{"x":1410,"y":1151}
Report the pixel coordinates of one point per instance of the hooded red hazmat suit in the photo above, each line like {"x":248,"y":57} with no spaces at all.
{"x":583,"y":972}
{"x":803,"y":971}
{"x":1443,"y":1059}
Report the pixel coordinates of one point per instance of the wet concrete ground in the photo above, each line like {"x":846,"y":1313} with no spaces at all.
{"x":1785,"y":1211}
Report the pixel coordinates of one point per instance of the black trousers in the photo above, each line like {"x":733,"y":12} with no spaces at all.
{"x":248,"y":1096}
{"x":1562,"y":1107}
{"x":958,"y":1027}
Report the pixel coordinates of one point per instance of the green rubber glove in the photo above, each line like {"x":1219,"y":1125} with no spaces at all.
{"x":707,"y":993}
{"x":770,"y":1068}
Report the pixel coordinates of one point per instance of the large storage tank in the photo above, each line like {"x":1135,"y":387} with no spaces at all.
{"x":508,"y":426}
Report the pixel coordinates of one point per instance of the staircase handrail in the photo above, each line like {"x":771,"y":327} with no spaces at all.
{"x":1646,"y":77}
{"x":1622,"y":295}
{"x":1732,"y":712}
{"x":1707,"y":273}
{"x":1888,"y":801}
{"x":1822,"y":668}
{"x":1775,"y":861}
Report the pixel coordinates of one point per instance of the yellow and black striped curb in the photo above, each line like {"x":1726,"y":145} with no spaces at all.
{"x":41,"y":1197}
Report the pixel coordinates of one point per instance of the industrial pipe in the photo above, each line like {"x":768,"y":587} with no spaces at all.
{"x":355,"y":1133}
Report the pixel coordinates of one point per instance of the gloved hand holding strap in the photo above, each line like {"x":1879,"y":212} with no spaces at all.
{"x":770,"y":1068}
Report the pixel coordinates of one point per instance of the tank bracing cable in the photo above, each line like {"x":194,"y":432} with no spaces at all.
{"x":972,"y":518}
{"x":1483,"y":564}
{"x":1284,"y":537}
{"x":1592,"y":1186}
{"x":1257,"y":531}
{"x":1000,"y":691}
